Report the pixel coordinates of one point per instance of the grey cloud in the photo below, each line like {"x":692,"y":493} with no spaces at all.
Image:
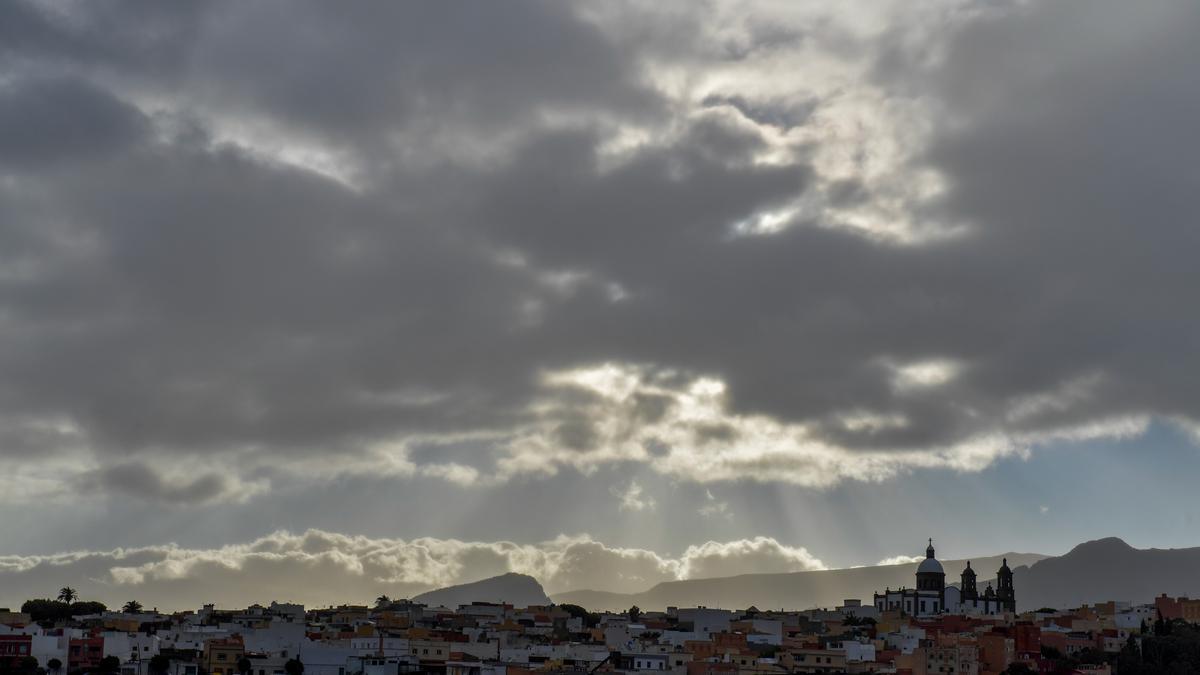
{"x":143,"y":482}
{"x":43,"y":120}
{"x":784,"y":116}
{"x":194,"y":297}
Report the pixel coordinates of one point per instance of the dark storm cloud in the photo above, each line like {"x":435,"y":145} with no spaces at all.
{"x":141,"y":481}
{"x":46,"y":120}
{"x":191,"y":294}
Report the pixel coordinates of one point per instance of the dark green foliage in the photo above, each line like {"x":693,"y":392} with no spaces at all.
{"x":26,"y":665}
{"x":159,"y":664}
{"x":1174,"y":648}
{"x":49,"y":611}
{"x":293,"y":667}
{"x":589,"y":620}
{"x":634,"y":614}
{"x":54,"y":665}
{"x":109,"y":664}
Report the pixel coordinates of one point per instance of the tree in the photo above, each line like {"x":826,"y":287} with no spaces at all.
{"x":54,"y":665}
{"x":67,"y":594}
{"x":245,"y":666}
{"x":46,"y":611}
{"x":132,"y":607}
{"x":109,"y":664}
{"x":634,"y":614}
{"x":88,"y":607}
{"x":383,"y":601}
{"x":293,"y":667}
{"x":26,"y":664}
{"x":590,"y":620}
{"x":159,"y":664}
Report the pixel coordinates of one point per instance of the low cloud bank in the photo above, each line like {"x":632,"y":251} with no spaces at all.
{"x":320,"y":568}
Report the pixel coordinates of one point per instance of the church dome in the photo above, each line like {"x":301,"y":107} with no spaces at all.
{"x":930,"y":566}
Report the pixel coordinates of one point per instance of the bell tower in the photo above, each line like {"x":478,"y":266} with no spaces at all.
{"x":969,"y":590}
{"x":1004,"y":588}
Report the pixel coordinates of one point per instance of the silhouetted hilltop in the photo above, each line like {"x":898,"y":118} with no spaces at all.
{"x":1107,"y":569}
{"x":520,"y":590}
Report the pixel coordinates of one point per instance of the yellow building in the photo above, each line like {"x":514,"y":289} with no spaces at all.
{"x":221,"y":656}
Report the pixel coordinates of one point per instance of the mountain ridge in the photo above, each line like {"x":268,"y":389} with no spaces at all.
{"x":795,"y":590}
{"x":520,"y":590}
{"x":1093,"y":571}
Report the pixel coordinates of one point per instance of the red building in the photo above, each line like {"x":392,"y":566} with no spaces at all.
{"x":1028,"y":639}
{"x":85,"y":653}
{"x":13,"y":648}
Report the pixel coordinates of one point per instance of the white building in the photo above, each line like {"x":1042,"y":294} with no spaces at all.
{"x":931,"y":595}
{"x":705,"y":621}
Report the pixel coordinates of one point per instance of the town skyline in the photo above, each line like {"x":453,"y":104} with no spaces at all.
{"x":929,"y":627}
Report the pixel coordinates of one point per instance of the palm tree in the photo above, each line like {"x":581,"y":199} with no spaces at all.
{"x":132,"y":607}
{"x":383,"y":601}
{"x":67,"y":594}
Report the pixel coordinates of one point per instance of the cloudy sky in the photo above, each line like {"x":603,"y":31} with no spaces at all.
{"x":315,"y":301}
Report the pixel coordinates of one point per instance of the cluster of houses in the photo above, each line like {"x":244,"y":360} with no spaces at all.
{"x":499,"y":639}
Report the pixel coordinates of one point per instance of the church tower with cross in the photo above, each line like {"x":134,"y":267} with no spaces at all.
{"x":932,"y":596}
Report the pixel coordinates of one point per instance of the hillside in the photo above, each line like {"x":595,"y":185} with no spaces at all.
{"x":518,"y":589}
{"x":795,"y":590}
{"x":1107,"y":569}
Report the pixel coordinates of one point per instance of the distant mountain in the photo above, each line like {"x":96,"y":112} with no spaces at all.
{"x":519,"y":590}
{"x":1107,"y":569}
{"x":795,"y":590}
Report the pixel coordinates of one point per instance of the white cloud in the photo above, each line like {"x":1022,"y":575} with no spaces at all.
{"x":924,"y":374}
{"x":760,"y":555}
{"x":319,"y":567}
{"x":633,"y":499}
{"x":901,"y":560}
{"x":696,"y":437}
{"x":713,"y":507}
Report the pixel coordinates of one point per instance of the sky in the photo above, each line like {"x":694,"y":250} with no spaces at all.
{"x":311,"y":301}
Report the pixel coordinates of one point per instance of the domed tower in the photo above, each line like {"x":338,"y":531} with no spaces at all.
{"x":930,"y":575}
{"x":1004,"y":588}
{"x":969,"y":590}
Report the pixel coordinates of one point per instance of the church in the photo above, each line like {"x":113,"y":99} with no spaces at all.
{"x":932,"y":596}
